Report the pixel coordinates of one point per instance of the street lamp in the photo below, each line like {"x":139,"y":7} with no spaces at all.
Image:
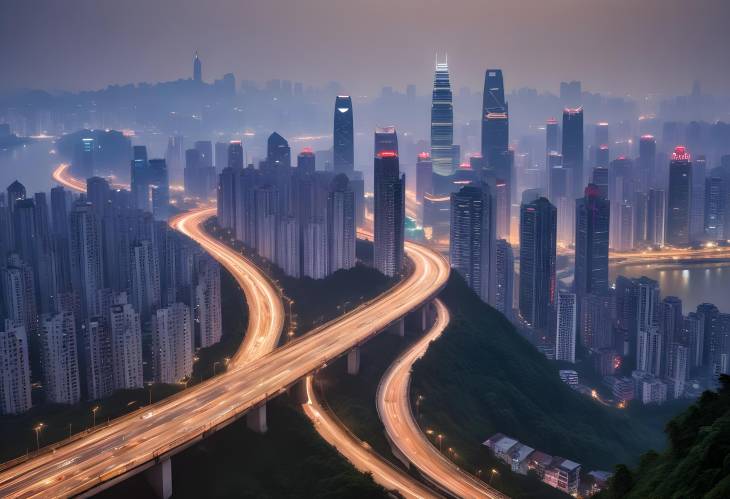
{"x":493,"y":472}
{"x":440,"y":438}
{"x":38,"y":428}
{"x":418,"y":406}
{"x":93,"y":414}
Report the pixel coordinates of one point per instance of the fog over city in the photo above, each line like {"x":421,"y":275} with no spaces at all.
{"x":374,"y":248}
{"x":619,"y":47}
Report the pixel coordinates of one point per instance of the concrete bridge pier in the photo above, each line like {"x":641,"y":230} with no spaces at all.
{"x":298,"y":391}
{"x":256,"y":419}
{"x":398,"y":328}
{"x":353,"y":361}
{"x":159,"y":477}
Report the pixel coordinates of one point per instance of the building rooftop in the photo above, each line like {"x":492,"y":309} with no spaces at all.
{"x":522,"y":452}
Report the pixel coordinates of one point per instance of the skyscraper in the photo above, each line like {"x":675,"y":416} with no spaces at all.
{"x":160,"y":187}
{"x":227,"y":186}
{"x":655,"y":217}
{"x":566,"y":327}
{"x":697,"y":203}
{"x":648,"y":338}
{"x":573,"y":148}
{"x":14,"y":370}
{"x":145,"y":273}
{"x":591,"y":243}
{"x":126,"y":337}
{"x":172,"y":344}
{"x":306,"y":161}
{"x":341,"y":224}
{"x":386,"y":139}
{"x":86,"y":258}
{"x":278,"y":151}
{"x":552,"y":137}
{"x":343,"y":147}
{"x":495,"y":132}
{"x":538,"y":227}
{"x":424,"y":176}
{"x":208,"y":302}
{"x":714,"y":208}
{"x":679,"y":199}
{"x":266,"y":199}
{"x":472,"y":243}
{"x":647,"y":164}
{"x":505,"y":275}
{"x":197,"y":69}
{"x":98,"y":358}
{"x":442,"y":124}
{"x":60,"y":359}
{"x":389,"y":204}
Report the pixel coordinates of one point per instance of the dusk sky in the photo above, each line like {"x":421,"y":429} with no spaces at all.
{"x":619,"y":46}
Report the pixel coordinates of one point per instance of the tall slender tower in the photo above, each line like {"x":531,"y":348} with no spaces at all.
{"x":591,"y":243}
{"x":538,"y":227}
{"x":343,"y":148}
{"x":495,"y":145}
{"x":679,"y":199}
{"x":573,"y":148}
{"x":472,"y":243}
{"x":495,"y":124}
{"x":442,"y":123}
{"x":197,"y":69}
{"x":390,"y":187}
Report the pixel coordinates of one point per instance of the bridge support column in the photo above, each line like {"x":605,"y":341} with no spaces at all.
{"x":398,"y":328}
{"x":353,"y":361}
{"x":160,"y":478}
{"x":298,"y":392}
{"x":256,"y":419}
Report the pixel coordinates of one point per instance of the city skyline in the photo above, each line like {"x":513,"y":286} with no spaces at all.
{"x":35,"y":48}
{"x":490,"y":276}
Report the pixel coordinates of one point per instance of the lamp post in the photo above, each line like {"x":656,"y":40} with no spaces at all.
{"x":440,"y":438}
{"x":38,"y":428}
{"x":419,"y":399}
{"x":493,"y":472}
{"x":93,"y":414}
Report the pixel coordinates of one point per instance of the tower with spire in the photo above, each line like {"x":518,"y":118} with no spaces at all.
{"x":197,"y":69}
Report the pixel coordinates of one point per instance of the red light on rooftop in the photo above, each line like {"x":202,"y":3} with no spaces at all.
{"x":387,"y":154}
{"x":552,"y":121}
{"x":621,"y":158}
{"x":424,"y":155}
{"x":680,"y":154}
{"x":307,"y":151}
{"x":592,"y":191}
{"x":465,"y":166}
{"x":572,"y":110}
{"x":647,"y":137}
{"x":603,"y":147}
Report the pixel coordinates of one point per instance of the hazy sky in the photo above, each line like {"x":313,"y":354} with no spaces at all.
{"x":618,"y":46}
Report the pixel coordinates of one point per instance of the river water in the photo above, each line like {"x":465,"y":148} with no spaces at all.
{"x":692,"y":283}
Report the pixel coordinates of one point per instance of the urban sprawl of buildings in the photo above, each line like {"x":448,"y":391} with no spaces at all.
{"x":99,"y":294}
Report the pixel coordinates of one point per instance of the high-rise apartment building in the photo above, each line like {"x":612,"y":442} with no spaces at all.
{"x":538,"y":286}
{"x":389,"y":205}
{"x":472,"y":244}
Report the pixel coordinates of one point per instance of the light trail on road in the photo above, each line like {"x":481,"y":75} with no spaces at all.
{"x":360,"y":454}
{"x":129,"y":443}
{"x":394,"y":408}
